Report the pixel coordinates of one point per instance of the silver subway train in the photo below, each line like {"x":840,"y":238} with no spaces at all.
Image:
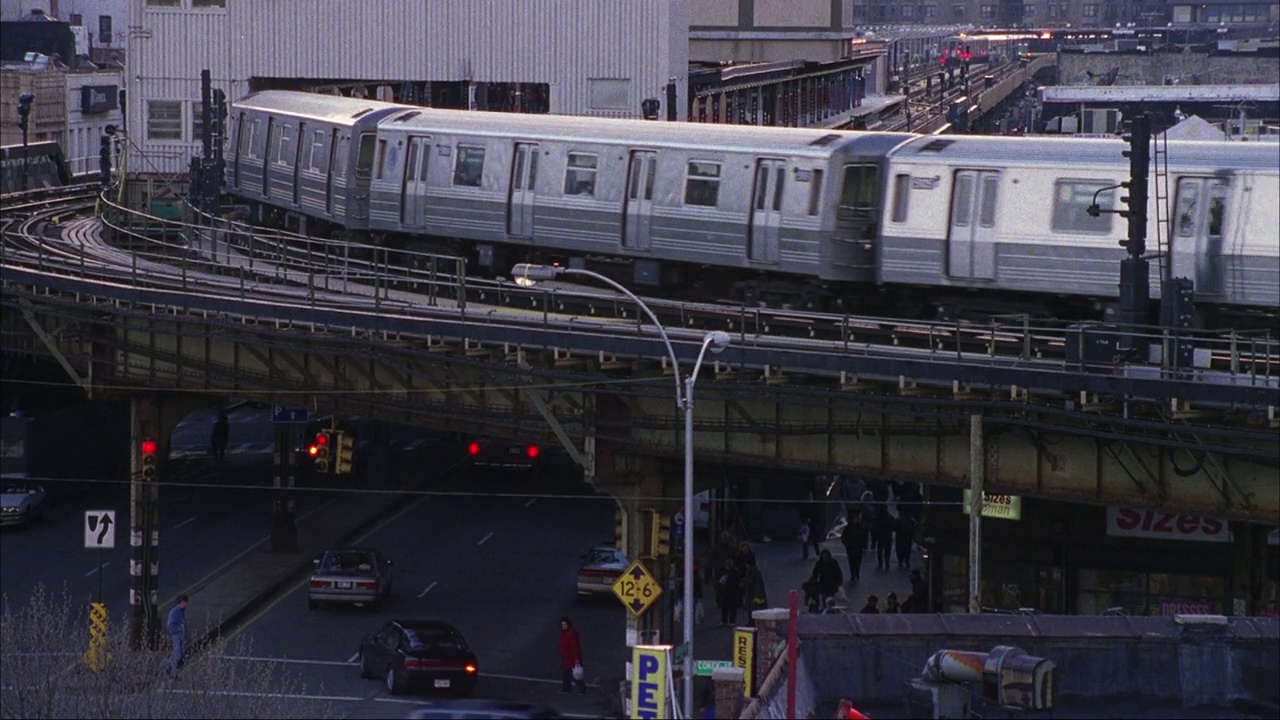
{"x":865,"y":221}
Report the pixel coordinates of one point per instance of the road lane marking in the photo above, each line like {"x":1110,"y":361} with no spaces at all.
{"x":485,"y":539}
{"x":424,"y":592}
{"x":531,"y":501}
{"x":248,"y":622}
{"x":352,"y":660}
{"x":294,"y":661}
{"x":184,"y":522}
{"x":96,"y":569}
{"x":258,"y":693}
{"x":526,"y":678}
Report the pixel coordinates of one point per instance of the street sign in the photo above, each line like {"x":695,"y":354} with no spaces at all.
{"x":99,"y":529}
{"x":707,"y":667}
{"x":285,"y":414}
{"x":637,"y":589}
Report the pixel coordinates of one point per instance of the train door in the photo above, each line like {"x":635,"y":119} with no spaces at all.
{"x":766,"y":211}
{"x":331,"y":170}
{"x":413,"y":197}
{"x":521,"y":196}
{"x":236,"y":144}
{"x":364,"y":171}
{"x":1200,"y":213}
{"x":971,"y":237}
{"x":639,"y":199}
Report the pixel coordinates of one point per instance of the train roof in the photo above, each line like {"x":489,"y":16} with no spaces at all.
{"x":817,"y":142}
{"x":336,"y":109}
{"x":1084,"y":152}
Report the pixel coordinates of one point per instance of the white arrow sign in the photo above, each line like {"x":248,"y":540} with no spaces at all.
{"x":99,"y":529}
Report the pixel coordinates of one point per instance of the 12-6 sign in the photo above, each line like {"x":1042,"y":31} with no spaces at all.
{"x":637,"y":589}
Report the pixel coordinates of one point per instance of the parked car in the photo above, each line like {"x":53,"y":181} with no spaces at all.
{"x":601,"y":567}
{"x":21,"y":503}
{"x":421,"y":654}
{"x":482,"y":708}
{"x":357,"y":575}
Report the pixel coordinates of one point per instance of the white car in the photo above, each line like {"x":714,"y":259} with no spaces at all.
{"x":21,"y":503}
{"x":601,"y":567}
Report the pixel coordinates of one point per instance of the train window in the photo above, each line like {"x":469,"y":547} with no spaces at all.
{"x":340,"y":156}
{"x":987,"y":213}
{"x":580,"y":174}
{"x":901,"y":194}
{"x":860,"y":188}
{"x":382,"y":159}
{"x":1071,"y":201}
{"x":470,"y":166}
{"x":1187,"y":212}
{"x":963,"y":201}
{"x":1217,"y":207}
{"x":815,"y":191}
{"x":319,"y":158}
{"x":777,"y":189}
{"x":164,"y":120}
{"x":251,"y":138}
{"x":284,"y":151}
{"x":703,"y":185}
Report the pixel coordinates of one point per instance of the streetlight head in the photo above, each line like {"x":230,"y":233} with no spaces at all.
{"x":529,"y":274}
{"x":718,"y":339}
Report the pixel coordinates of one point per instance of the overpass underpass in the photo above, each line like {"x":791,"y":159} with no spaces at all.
{"x":592,"y":384}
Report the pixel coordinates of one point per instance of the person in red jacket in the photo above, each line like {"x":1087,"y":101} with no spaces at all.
{"x":570,"y":658}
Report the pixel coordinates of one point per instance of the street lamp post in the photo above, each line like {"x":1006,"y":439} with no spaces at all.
{"x":527,"y":274}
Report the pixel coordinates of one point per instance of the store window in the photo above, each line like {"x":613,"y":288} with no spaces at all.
{"x":1138,"y":593}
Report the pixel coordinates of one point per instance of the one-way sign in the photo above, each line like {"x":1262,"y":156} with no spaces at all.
{"x":99,"y":529}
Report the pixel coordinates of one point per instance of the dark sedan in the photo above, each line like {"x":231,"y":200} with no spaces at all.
{"x":359,"y":576}
{"x":422,"y":654}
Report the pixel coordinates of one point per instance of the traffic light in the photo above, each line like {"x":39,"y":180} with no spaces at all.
{"x":24,"y":109}
{"x":104,"y":160}
{"x":319,"y":451}
{"x":148,"y":459}
{"x":619,"y":530}
{"x":660,"y":534}
{"x":346,"y":452}
{"x":1139,"y":154}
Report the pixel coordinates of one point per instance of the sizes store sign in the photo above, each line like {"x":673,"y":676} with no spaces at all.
{"x":1163,"y":525}
{"x":97,"y":98}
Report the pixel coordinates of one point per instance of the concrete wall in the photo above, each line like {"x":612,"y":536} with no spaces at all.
{"x":1187,"y":68}
{"x":870,"y":657}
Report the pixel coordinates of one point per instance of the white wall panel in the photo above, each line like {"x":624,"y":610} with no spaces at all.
{"x":562,"y":43}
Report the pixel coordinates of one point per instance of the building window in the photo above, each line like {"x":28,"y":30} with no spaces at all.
{"x":907,"y":12}
{"x":957,"y":12}
{"x":1028,"y":11}
{"x":930,"y":11}
{"x":469,"y":168}
{"x":703,"y":185}
{"x":104,"y":29}
{"x":987,"y":11}
{"x":208,"y":3}
{"x":164,"y":119}
{"x":1071,"y":204}
{"x":76,"y":19}
{"x":580,"y":176}
{"x":1089,"y":11}
{"x":163,"y":3}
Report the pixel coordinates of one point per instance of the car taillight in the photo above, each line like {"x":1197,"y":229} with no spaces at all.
{"x":319,"y":583}
{"x":471,"y":668}
{"x":367,"y":585}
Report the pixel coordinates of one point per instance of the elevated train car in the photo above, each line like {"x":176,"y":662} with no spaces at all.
{"x":882,"y":222}
{"x":1010,"y":215}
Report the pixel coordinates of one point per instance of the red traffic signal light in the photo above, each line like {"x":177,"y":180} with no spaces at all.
{"x":148,"y":447}
{"x":473,"y":448}
{"x":322,"y":439}
{"x":532,"y":452}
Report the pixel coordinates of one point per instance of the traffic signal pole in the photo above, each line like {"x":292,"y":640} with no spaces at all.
{"x":144,"y":527}
{"x":1135,"y":277}
{"x":284,"y":528}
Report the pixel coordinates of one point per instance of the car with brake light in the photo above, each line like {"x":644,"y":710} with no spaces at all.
{"x":601,"y":567}
{"x":419,"y":654}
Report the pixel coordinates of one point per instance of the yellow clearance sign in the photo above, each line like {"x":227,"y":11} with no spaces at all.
{"x":1005,"y":507}
{"x":744,"y":656}
{"x":650,"y":699}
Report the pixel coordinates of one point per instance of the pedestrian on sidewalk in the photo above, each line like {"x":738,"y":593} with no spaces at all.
{"x":830,"y":607}
{"x":870,"y":608}
{"x":571,"y":671}
{"x":828,"y":575}
{"x":920,"y":589}
{"x":177,"y":629}
{"x":803,"y":535}
{"x":754,"y":598}
{"x":854,"y":539}
{"x":740,"y":560}
{"x":729,"y":592}
{"x":904,"y":538}
{"x":891,"y":604}
{"x":882,"y":532}
{"x":221,"y":434}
